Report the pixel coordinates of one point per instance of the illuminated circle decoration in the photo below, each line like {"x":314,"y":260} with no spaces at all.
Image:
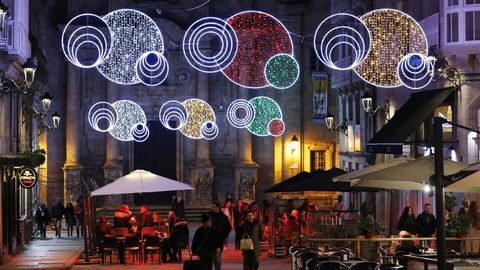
{"x":240,"y":107}
{"x":282,"y":71}
{"x":134,"y":34}
{"x":199,"y":112}
{"x":173,"y":110}
{"x":140,"y":132}
{"x":393,"y":35}
{"x":199,"y":34}
{"x":129,"y":115}
{"x":102,"y":111}
{"x":209,"y":130}
{"x":260,"y":36}
{"x":152,"y":68}
{"x":416,"y":70}
{"x":88,"y":45}
{"x":266,"y":110}
{"x":276,"y":127}
{"x":341,"y":31}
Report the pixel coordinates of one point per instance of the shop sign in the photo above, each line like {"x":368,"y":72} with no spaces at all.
{"x":27,"y":177}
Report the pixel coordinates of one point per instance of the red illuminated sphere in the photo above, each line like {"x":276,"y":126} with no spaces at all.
{"x":276,"y":127}
{"x":260,"y":36}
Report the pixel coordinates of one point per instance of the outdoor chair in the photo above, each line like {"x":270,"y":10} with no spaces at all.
{"x":121,"y":231}
{"x":331,"y":266}
{"x":179,"y":252}
{"x":147,"y":231}
{"x":342,"y":255}
{"x":316,"y":260}
{"x":399,"y":257}
{"x":132,"y":245}
{"x":304,"y":257}
{"x":389,"y":266}
{"x":384,"y":256}
{"x":109,"y":246}
{"x":151,"y":245}
{"x":364,"y":266}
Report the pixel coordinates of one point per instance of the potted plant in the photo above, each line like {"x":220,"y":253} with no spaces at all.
{"x":458,"y":226}
{"x":369,"y":227}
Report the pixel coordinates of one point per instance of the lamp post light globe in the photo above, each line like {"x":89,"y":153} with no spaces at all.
{"x":329,"y":121}
{"x":367,"y":102}
{"x":29,"y":69}
{"x":55,"y":119}
{"x":294,"y":143}
{"x":46,"y":101}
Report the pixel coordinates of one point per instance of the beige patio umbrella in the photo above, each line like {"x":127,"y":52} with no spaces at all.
{"x":410,"y":175}
{"x":470,"y":183}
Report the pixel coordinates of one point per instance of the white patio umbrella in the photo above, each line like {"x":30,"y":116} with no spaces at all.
{"x":469,"y":183}
{"x":141,"y":181}
{"x":410,"y":175}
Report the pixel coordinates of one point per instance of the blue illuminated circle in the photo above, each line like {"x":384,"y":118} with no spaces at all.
{"x":152,"y":68}
{"x":415,"y":70}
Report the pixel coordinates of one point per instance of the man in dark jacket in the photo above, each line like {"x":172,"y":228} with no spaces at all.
{"x":146,"y":217}
{"x":204,"y":243}
{"x":222,"y":226}
{"x":178,"y":239}
{"x":57,"y":214}
{"x":426,"y":223}
{"x":42,"y":217}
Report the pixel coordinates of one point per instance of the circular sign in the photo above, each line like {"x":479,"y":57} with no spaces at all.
{"x":27,"y":178}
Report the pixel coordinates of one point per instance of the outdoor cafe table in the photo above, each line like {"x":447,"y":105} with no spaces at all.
{"x":317,"y":241}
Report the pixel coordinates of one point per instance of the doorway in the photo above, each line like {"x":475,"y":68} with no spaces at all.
{"x":158,"y":154}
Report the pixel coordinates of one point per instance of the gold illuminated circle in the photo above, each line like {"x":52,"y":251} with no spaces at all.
{"x":199,"y":112}
{"x":394,"y":34}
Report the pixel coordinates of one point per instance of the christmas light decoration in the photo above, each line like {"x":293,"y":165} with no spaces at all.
{"x":134,"y":34}
{"x":199,"y":112}
{"x":282,"y":71}
{"x":415,"y":70}
{"x":209,"y":130}
{"x":78,"y":42}
{"x":266,"y":109}
{"x":340,"y":31}
{"x":129,"y":115}
{"x":260,"y":36}
{"x":140,"y":132}
{"x":173,"y":110}
{"x":204,"y":29}
{"x":393,"y":35}
{"x":237,"y":107}
{"x":102,"y":111}
{"x":152,"y":68}
{"x":276,"y":127}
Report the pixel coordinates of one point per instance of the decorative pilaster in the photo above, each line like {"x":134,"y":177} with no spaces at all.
{"x":202,"y":169}
{"x":72,"y":169}
{"x":245,"y":170}
{"x":112,"y":169}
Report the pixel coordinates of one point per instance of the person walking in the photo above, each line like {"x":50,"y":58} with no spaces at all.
{"x":58,"y":210}
{"x":238,"y":220}
{"x":407,"y":221}
{"x":251,"y":228}
{"x":228,"y":211}
{"x":78,"y":212}
{"x":43,"y":218}
{"x":204,"y":243}
{"x":426,"y":223}
{"x":221,"y":225}
{"x":69,"y":218}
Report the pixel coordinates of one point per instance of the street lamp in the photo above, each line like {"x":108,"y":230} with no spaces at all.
{"x":340,"y":127}
{"x":41,"y":115}
{"x":294,"y":143}
{"x":8,"y":85}
{"x":367,"y":102}
{"x":29,"y":69}
{"x":3,"y":15}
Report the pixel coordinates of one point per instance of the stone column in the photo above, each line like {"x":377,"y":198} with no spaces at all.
{"x":112,"y":169}
{"x":202,"y":169}
{"x":72,"y":168}
{"x":245,"y":170}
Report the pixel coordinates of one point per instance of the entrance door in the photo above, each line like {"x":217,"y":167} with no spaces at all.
{"x":158,"y":154}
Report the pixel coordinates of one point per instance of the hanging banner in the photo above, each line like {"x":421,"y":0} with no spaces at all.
{"x":320,"y":95}
{"x":27,"y":177}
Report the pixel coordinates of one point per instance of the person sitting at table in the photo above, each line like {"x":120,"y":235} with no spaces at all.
{"x":102,"y":228}
{"x":171,"y":220}
{"x":178,"y":238}
{"x":291,"y":229}
{"x":121,"y":218}
{"x":145,"y":218}
{"x":403,"y":245}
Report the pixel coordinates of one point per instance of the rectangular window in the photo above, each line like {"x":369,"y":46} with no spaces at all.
{"x":317,"y":160}
{"x":468,"y":2}
{"x":472,"y":25}
{"x":453,"y":3}
{"x":452,"y":27}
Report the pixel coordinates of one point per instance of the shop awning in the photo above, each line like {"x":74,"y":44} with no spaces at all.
{"x":391,"y":137}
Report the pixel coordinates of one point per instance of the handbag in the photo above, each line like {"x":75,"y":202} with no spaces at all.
{"x":246,"y":243}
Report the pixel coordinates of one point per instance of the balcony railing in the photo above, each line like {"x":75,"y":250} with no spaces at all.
{"x":14,"y":39}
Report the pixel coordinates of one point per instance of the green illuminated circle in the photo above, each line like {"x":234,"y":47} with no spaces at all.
{"x":266,"y":109}
{"x":282,"y":71}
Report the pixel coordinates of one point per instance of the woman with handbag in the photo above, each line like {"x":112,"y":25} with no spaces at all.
{"x":250,"y":242}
